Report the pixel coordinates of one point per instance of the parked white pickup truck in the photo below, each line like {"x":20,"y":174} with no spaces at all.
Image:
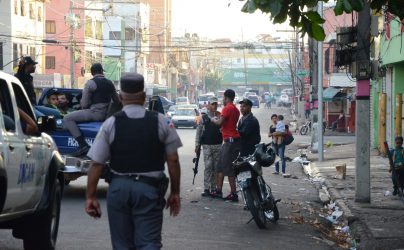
{"x":31,"y":183}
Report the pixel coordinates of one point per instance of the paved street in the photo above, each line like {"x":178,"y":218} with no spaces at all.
{"x":203,"y":223}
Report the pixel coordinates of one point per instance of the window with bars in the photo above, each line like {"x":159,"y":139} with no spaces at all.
{"x":16,"y":7}
{"x":129,"y":34}
{"x":89,"y":27}
{"x":50,"y":27}
{"x":31,"y":11}
{"x":50,"y":62}
{"x":32,"y":52}
{"x":22,"y":5}
{"x":15,"y":55}
{"x":40,"y":14}
{"x":114,"y":35}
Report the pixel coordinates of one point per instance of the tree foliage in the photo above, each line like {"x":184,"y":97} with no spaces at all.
{"x":308,"y":21}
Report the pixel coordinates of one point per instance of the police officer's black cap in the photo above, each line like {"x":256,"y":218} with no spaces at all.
{"x":132,"y":83}
{"x":230,"y":93}
{"x":96,"y":68}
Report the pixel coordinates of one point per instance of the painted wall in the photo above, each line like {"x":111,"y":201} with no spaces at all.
{"x":56,"y":10}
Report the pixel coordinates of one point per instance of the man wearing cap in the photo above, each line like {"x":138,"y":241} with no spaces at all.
{"x":230,"y":147}
{"x":97,"y":95}
{"x":249,"y":129}
{"x":52,"y":99}
{"x":137,"y":143}
{"x":26,"y":67}
{"x":209,"y":136}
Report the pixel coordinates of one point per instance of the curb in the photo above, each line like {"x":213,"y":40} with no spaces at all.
{"x":359,"y":231}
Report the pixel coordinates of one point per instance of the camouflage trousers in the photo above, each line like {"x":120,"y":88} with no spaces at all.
{"x":211,"y":157}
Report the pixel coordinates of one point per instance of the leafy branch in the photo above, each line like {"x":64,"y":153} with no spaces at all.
{"x":302,"y":15}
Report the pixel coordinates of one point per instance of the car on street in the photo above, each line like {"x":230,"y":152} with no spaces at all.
{"x":203,"y":101}
{"x":255,"y":100}
{"x":186,"y":117}
{"x":182,"y":100}
{"x":166,"y":103}
{"x":171,"y":111}
{"x":284,"y":100}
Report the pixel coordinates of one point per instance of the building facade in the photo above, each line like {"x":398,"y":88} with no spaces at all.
{"x":125,"y":44}
{"x":16,"y":39}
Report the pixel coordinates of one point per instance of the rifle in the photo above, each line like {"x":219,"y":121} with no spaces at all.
{"x":196,"y":161}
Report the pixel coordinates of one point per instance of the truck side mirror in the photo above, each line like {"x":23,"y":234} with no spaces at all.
{"x":46,"y":123}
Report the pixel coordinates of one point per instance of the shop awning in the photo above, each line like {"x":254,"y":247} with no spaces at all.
{"x":331,"y":94}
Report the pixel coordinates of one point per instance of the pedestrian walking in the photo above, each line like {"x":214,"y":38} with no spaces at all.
{"x":279,"y":130}
{"x":208,"y":136}
{"x":249,"y":129}
{"x":137,"y":143}
{"x":397,"y":171}
{"x":230,"y":147}
{"x":96,"y":98}
{"x":307,"y":109}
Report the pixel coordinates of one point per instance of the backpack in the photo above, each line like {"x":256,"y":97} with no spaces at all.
{"x":288,"y":137}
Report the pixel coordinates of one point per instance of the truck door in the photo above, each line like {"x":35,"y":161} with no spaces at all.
{"x":14,"y":152}
{"x":33,"y":166}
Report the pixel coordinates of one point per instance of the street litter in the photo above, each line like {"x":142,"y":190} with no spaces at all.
{"x":206,"y":208}
{"x":387,"y":193}
{"x":341,"y":172}
{"x":194,"y":201}
{"x":345,"y":229}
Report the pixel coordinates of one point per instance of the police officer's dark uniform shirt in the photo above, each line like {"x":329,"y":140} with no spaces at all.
{"x":100,"y":150}
{"x":249,"y":129}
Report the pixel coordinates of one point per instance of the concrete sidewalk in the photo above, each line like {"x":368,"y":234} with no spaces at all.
{"x":377,"y":225}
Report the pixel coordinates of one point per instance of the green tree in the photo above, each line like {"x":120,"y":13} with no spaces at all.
{"x":302,"y":17}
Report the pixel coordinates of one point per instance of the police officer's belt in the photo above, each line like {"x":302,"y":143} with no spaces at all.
{"x":155,"y":182}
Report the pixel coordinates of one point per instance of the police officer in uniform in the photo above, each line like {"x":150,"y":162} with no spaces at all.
{"x":96,"y":97}
{"x":137,"y":143}
{"x":209,"y":136}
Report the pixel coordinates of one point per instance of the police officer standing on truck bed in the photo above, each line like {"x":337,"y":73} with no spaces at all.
{"x":96,"y":97}
{"x":137,"y":143}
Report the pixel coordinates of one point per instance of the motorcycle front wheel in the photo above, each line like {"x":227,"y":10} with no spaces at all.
{"x":304,"y":130}
{"x":253,"y":203}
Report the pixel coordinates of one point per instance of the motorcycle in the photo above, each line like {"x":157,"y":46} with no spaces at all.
{"x":307,"y":126}
{"x":257,"y":195}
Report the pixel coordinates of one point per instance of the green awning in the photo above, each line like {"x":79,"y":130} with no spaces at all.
{"x":331,"y":94}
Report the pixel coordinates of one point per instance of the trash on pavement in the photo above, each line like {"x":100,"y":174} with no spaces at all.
{"x":341,"y":172}
{"x":345,"y":229}
{"x":387,"y":193}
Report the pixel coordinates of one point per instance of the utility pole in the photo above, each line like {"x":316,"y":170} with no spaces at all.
{"x":123,"y":38}
{"x":362,"y":162}
{"x":72,"y":49}
{"x":320,"y":92}
{"x":245,"y":64}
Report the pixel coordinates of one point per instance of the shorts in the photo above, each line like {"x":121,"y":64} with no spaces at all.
{"x":228,"y":153}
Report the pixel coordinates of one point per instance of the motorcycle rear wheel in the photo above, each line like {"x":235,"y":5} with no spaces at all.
{"x":272,"y":215}
{"x":304,"y":130}
{"x":253,"y":203}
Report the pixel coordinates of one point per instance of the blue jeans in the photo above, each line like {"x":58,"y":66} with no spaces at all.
{"x":397,"y":176}
{"x":45,"y":111}
{"x":280,"y":151}
{"x":135,"y":215}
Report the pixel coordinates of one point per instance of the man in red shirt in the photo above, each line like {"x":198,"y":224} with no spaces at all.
{"x":230,"y":147}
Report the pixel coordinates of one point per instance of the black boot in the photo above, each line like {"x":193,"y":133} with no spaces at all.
{"x":83,"y":147}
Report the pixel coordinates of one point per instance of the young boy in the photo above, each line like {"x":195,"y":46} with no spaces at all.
{"x":397,"y":172}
